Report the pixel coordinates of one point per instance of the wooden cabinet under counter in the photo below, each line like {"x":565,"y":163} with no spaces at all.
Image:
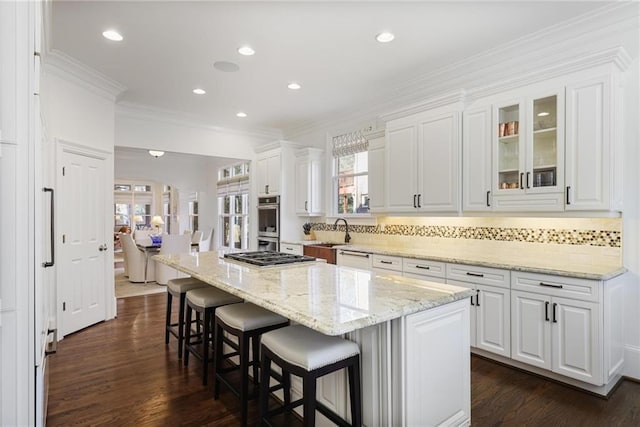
{"x":321,"y":251}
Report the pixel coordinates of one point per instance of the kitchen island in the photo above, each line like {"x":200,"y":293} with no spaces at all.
{"x":413,"y":334}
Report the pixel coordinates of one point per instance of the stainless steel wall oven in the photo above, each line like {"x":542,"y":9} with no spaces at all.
{"x":269,"y":223}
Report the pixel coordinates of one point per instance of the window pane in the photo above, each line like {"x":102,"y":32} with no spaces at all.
{"x":238,"y":205}
{"x":122,"y":187}
{"x":238,"y":170}
{"x":226,"y":208}
{"x":143,"y":188}
{"x":353,"y":163}
{"x":121,"y":214}
{"x":226,"y":236}
{"x":237,"y":232}
{"x":353,"y":195}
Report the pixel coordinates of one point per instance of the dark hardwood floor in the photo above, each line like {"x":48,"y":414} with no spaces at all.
{"x":121,"y":373}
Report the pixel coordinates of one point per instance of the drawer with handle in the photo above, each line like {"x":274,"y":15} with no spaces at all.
{"x":560,"y":286}
{"x":422,"y":267}
{"x":291,"y":248}
{"x":349,"y":258}
{"x":480,"y":275}
{"x":386,"y":262}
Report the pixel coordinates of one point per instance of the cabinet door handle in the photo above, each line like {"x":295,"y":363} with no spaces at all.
{"x":488,"y":193}
{"x":419,"y":200}
{"x":555,"y":320}
{"x":478,"y":297}
{"x":549,"y":285}
{"x":471,"y":300}
{"x":266,"y":189}
{"x":51,"y":231}
{"x":289,"y":249}
{"x":546,"y":311}
{"x":414,"y":201}
{"x":475,"y":274}
{"x":528,"y":173}
{"x":423,"y":267}
{"x":305,"y":206}
{"x":385,"y":262}
{"x":568,"y":200}
{"x":521,"y":176}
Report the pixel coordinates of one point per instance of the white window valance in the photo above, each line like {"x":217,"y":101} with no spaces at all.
{"x":350,"y":143}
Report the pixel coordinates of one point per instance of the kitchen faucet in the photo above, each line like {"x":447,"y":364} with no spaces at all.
{"x":346,"y":229}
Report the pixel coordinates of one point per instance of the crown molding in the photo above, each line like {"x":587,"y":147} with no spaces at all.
{"x":74,"y":71}
{"x":509,"y":63}
{"x":458,"y":96}
{"x":616,"y":56}
{"x":149,"y":113}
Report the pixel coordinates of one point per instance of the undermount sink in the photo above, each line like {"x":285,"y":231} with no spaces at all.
{"x":325,"y":245}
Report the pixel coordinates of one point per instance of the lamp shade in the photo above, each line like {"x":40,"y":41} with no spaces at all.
{"x":138,"y":219}
{"x":157,"y":220}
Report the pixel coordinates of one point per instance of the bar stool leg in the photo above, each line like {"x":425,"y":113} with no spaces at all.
{"x":309,"y":405}
{"x":218,"y":360}
{"x":265,"y":375}
{"x":355,"y":393}
{"x":205,"y":345}
{"x":181,"y":324}
{"x":187,"y":338}
{"x":256,"y":358}
{"x":244,"y":382}
{"x":167,"y":322}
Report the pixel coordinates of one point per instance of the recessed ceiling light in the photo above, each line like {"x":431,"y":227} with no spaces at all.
{"x":241,"y":114}
{"x":112,"y":35}
{"x":543,"y":114}
{"x":246,"y":51}
{"x":227,"y":67}
{"x":199,"y":91}
{"x":156,"y":153}
{"x":294,"y":86}
{"x":385,"y":37}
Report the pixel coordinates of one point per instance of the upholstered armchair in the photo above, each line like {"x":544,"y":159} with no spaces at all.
{"x":142,"y":236}
{"x":172,"y":244}
{"x":136,"y":261}
{"x":205,"y":243}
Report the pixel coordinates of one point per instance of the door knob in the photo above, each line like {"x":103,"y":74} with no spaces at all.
{"x":102,"y":247}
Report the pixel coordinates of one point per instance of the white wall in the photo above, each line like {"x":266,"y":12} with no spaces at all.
{"x":78,"y":113}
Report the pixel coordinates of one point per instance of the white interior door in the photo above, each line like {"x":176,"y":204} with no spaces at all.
{"x":82,"y":265}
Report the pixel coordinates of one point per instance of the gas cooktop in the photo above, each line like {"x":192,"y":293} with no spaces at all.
{"x":266,"y":258}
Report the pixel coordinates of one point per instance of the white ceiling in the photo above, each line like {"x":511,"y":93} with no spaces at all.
{"x":169,"y":48}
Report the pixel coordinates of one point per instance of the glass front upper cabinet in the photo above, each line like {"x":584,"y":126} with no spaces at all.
{"x":510,"y":152}
{"x":545,"y":143}
{"x":530,"y":145}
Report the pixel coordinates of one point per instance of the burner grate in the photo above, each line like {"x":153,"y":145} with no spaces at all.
{"x":266,"y":258}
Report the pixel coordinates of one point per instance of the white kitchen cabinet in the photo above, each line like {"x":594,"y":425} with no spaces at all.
{"x":422,"y":163}
{"x":348,"y":258}
{"x":490,"y":306}
{"x":386,"y":264}
{"x":476,"y":159}
{"x":432,"y":271}
{"x":291,"y":248}
{"x":528,"y":152}
{"x":268,"y":166}
{"x":558,"y":334}
{"x":308,"y":182}
{"x":592,"y":178}
{"x":376,"y":174}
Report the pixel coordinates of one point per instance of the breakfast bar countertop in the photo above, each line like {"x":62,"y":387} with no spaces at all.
{"x":330,"y":299}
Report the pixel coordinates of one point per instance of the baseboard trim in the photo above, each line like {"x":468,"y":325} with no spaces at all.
{"x":632,"y":362}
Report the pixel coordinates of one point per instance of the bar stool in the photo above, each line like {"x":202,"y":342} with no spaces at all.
{"x":204,"y":301}
{"x":178,"y":288}
{"x":309,"y":355}
{"x":247,"y":322}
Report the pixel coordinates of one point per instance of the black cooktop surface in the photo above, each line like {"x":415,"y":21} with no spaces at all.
{"x":265,"y":258}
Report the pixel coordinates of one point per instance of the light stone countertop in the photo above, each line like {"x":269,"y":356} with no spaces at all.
{"x":332,"y":300}
{"x":516,"y":261}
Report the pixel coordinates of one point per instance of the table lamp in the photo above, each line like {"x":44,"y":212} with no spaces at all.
{"x":157,"y":221}
{"x":137,"y":219}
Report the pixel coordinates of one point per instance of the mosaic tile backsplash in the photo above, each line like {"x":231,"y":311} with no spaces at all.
{"x":564,"y":236}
